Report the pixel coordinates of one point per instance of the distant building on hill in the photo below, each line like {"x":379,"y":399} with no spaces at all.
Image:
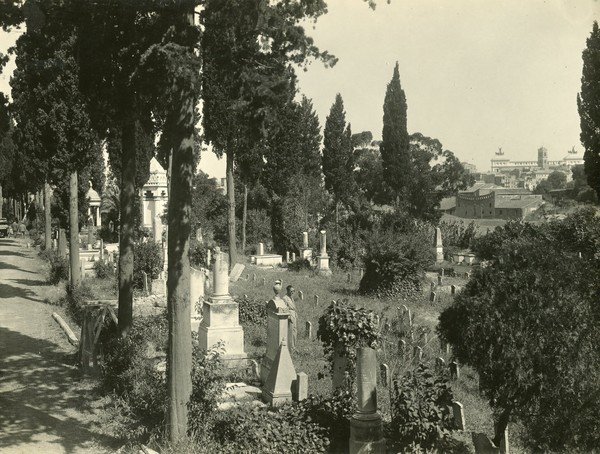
{"x":490,"y":201}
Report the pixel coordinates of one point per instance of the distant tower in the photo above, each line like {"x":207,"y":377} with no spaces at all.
{"x":542,"y":158}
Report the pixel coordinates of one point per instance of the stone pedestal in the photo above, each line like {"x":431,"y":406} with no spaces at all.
{"x":277,"y":332}
{"x":438,"y":246}
{"x":366,"y":428}
{"x":282,"y":376}
{"x":323,"y":259}
{"x":220,"y":316}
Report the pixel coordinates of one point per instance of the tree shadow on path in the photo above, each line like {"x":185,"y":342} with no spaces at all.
{"x":30,"y":282}
{"x":10,"y":291}
{"x":40,"y":399}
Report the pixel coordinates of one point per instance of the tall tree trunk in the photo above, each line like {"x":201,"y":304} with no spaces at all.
{"x":244,"y":218}
{"x":1,"y":201}
{"x":47,"y":217}
{"x":62,"y":242}
{"x":179,"y":347}
{"x":128,"y":195}
{"x":74,"y":231}
{"x":231,"y":211}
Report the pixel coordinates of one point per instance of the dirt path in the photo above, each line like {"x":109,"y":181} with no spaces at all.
{"x":43,"y":407}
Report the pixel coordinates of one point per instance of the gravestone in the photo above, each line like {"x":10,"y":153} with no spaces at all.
{"x":453,"y":289}
{"x":440,"y":363}
{"x":432,"y":297}
{"x":504,"y":444}
{"x":301,"y":387}
{"x":305,"y":251}
{"x":323,"y":259}
{"x":402,"y":347}
{"x":385,"y":375}
{"x":458,"y":415}
{"x":293,"y":256}
{"x":277,"y":332}
{"x":437,"y":244}
{"x":301,"y":295}
{"x":366,"y":427}
{"x":287,"y":256}
{"x":277,"y":389}
{"x":145,"y":288}
{"x":440,"y":280}
{"x":308,"y":330}
{"x":316,"y":300}
{"x":236,"y":272}
{"x":220,"y":315}
{"x":261,"y":249}
{"x":454,"y":370}
{"x":418,"y":354}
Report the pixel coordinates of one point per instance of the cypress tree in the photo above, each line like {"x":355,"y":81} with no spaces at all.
{"x":395,"y":145}
{"x":337,"y":150}
{"x":589,"y":108}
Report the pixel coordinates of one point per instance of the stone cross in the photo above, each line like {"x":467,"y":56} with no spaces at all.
{"x":458,"y":415}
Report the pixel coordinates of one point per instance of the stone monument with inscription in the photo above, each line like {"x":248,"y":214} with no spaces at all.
{"x":323,"y":259}
{"x":220,"y":315}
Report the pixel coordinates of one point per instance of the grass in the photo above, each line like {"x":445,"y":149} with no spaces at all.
{"x":309,"y":356}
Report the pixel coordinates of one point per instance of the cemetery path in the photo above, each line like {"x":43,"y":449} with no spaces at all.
{"x":43,"y":405}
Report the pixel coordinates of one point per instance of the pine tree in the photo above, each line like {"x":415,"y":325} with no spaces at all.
{"x":395,"y":146}
{"x":589,"y":108}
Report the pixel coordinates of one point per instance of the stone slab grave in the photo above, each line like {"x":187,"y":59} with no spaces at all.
{"x":237,"y":394}
{"x":236,"y":272}
{"x":265,"y":260}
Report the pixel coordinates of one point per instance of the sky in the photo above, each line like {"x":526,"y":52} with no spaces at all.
{"x":477,"y":74}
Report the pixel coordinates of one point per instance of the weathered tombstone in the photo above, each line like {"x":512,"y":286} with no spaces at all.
{"x":145,"y":287}
{"x":220,"y":315}
{"x":254,"y":277}
{"x":418,"y":354}
{"x":458,"y":415}
{"x":261,"y":249}
{"x":453,"y":289}
{"x":323,"y":258}
{"x":301,"y":387}
{"x":287,"y":256}
{"x":301,"y":295}
{"x":483,"y":445}
{"x":432,"y":297}
{"x":308,"y":330}
{"x":277,"y":331}
{"x":440,"y":363}
{"x":293,"y":256}
{"x":316,"y":300}
{"x":439,"y":248}
{"x":236,"y":272}
{"x":432,"y":287}
{"x":385,"y":374}
{"x":454,"y":370}
{"x":504,"y":444}
{"x":440,"y":280}
{"x":305,"y":251}
{"x":402,"y":347}
{"x":366,"y":428}
{"x":277,"y":389}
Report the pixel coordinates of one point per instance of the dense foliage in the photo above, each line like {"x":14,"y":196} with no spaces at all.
{"x":148,"y":258}
{"x":589,"y":109}
{"x":421,"y":411}
{"x":529,"y":325}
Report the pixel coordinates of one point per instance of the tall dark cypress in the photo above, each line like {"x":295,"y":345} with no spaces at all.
{"x":395,"y":146}
{"x":335,"y":149}
{"x":589,"y":109}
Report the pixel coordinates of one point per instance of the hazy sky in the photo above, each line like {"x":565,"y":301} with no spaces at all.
{"x":478,"y":74}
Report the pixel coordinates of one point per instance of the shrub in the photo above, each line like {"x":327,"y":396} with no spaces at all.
{"x":395,"y":260}
{"x":103,"y":269}
{"x":74,"y":300}
{"x":147,"y":257}
{"x":300,"y":265}
{"x":261,"y":430}
{"x":251,"y":310}
{"x":343,"y":328}
{"x":421,"y":418}
{"x":59,"y":266}
{"x":197,"y":254}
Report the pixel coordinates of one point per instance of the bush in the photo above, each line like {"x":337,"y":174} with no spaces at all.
{"x":147,"y":257}
{"x":395,"y":260}
{"x":421,"y":417}
{"x":59,"y":267}
{"x":75,"y":299}
{"x":104,"y":269}
{"x":343,"y":328}
{"x":252,"y":311}
{"x":261,"y":430}
{"x":197,"y":254}
{"x":133,"y":371}
{"x":300,"y":265}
